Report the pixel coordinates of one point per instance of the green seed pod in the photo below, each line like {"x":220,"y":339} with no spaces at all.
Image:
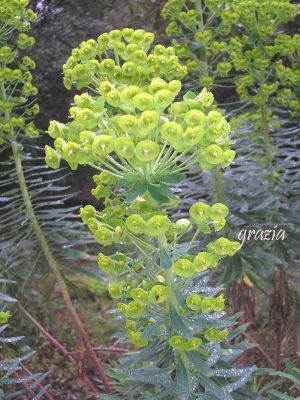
{"x":103,"y":145}
{"x":135,"y":224}
{"x":57,"y":129}
{"x":200,"y":212}
{"x":193,"y":136}
{"x":147,"y":122}
{"x":218,"y":211}
{"x":52,"y":158}
{"x":219,"y":303}
{"x":164,"y":98}
{"x":113,"y":98}
{"x":171,"y":132}
{"x":147,"y":150}
{"x":87,"y":212}
{"x":140,"y":296}
{"x":184,"y":267}
{"x":86,"y":119}
{"x":157,"y":84}
{"x":124,"y":147}
{"x":194,"y":302}
{"x":128,"y":123}
{"x":103,"y":236}
{"x":105,"y":263}
{"x":144,"y":101}
{"x":203,"y":261}
{"x":213,"y":154}
{"x":192,"y":344}
{"x":222,"y":246}
{"x":115,"y":290}
{"x":158,"y":294}
{"x":177,"y":342}
{"x":195,"y":118}
{"x":157,"y":225}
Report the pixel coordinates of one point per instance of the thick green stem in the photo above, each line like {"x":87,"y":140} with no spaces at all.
{"x":53,"y":264}
{"x":265,"y":130}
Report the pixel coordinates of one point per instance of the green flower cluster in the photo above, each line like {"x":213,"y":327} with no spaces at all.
{"x":219,"y":38}
{"x":15,"y":77}
{"x":142,"y":295}
{"x":130,"y":127}
{"x":133,"y":129}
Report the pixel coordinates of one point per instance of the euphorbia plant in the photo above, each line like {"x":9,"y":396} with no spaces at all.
{"x":128,"y":126}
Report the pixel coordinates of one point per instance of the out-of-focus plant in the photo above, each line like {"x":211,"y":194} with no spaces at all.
{"x":33,"y":221}
{"x":127,"y":126}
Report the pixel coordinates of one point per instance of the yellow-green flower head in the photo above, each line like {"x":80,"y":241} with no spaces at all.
{"x":103,"y":145}
{"x":203,"y":261}
{"x":177,"y":342}
{"x":105,"y":263}
{"x":87,"y":212}
{"x":140,"y":296}
{"x":214,"y":335}
{"x":115,"y":290}
{"x":218,"y":211}
{"x":192,"y":344}
{"x":134,"y":309}
{"x":103,"y":236}
{"x":158,"y":294}
{"x":52,"y":158}
{"x":4,"y":316}
{"x":184,"y":267}
{"x":157,"y":225}
{"x":200,"y":212}
{"x":124,"y":147}
{"x":194,"y":302}
{"x":130,"y":62}
{"x":171,"y":132}
{"x":147,"y":150}
{"x":135,"y":224}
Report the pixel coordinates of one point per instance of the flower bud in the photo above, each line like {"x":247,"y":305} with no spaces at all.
{"x":206,"y":98}
{"x":157,"y":84}
{"x":184,"y":267}
{"x":175,"y":86}
{"x":134,"y":310}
